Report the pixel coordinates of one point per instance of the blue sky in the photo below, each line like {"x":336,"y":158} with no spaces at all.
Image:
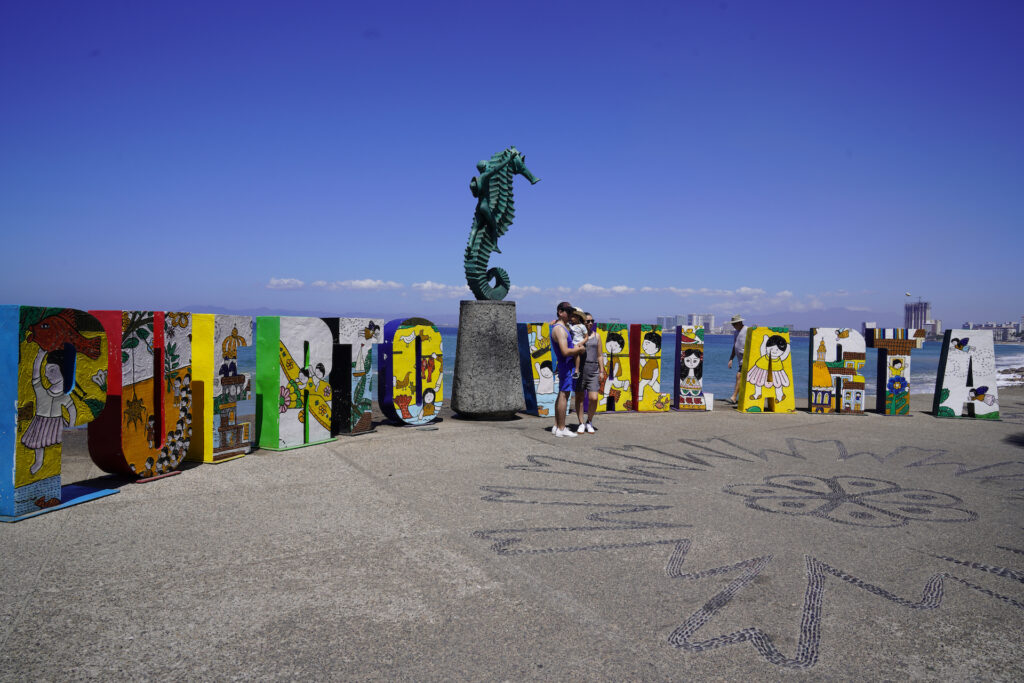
{"x":762,"y":157}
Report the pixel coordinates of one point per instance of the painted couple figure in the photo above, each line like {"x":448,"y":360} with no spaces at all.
{"x":579,"y":357}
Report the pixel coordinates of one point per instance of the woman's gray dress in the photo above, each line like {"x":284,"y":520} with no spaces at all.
{"x":590,"y":371}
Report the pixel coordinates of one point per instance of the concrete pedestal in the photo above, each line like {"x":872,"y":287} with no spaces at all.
{"x":487,"y":384}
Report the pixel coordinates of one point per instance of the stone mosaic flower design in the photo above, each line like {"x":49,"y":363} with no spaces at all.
{"x":859,"y":501}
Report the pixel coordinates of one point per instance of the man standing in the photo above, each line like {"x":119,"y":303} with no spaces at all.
{"x":739,"y":341}
{"x":561,"y":343}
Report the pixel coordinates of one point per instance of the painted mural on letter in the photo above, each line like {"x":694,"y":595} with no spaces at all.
{"x":146,"y":428}
{"x":689,"y":382}
{"x":305,"y":352}
{"x":893,"y":372}
{"x":537,"y":359}
{"x":966,"y":382}
{"x":234,"y":402}
{"x":836,"y":379}
{"x":616,"y":390}
{"x":645,"y":341}
{"x":360,"y":336}
{"x":767,"y":372}
{"x":411,"y":378}
{"x":61,"y":360}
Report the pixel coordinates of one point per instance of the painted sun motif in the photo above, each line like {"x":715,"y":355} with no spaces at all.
{"x":134,"y":411}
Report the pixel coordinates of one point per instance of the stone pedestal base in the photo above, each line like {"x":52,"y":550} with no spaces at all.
{"x":487,"y":383}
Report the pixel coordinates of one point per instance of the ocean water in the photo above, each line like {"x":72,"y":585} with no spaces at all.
{"x":719,"y":380}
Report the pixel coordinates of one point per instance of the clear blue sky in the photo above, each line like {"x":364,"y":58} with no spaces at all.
{"x":694,"y":156}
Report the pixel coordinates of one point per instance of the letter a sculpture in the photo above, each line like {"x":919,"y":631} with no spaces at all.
{"x":494,"y":213}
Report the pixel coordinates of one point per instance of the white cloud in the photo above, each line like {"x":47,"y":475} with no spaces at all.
{"x":285,"y":283}
{"x":367,"y":285}
{"x":436,"y":290}
{"x":517,"y":291}
{"x":784,"y":294}
{"x":597,"y":290}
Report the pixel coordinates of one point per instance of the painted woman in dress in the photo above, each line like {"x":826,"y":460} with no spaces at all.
{"x":693,"y":364}
{"x":767,"y":371}
{"x":47,"y":427}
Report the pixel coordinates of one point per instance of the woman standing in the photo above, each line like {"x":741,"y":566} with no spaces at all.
{"x":589,"y":380}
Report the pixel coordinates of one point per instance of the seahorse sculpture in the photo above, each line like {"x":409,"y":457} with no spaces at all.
{"x":495,"y":210}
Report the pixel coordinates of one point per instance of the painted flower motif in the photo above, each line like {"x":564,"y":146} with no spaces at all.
{"x":897,"y":384}
{"x":859,"y":501}
{"x":100,"y":379}
{"x":285,"y":399}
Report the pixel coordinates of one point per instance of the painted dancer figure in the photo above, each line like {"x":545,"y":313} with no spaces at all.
{"x":615,"y":381}
{"x":767,"y":371}
{"x":47,"y":427}
{"x":649,"y":372}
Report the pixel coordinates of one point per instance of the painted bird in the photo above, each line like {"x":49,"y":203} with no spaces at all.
{"x":961,"y":344}
{"x":54,"y":331}
{"x":981,"y":394}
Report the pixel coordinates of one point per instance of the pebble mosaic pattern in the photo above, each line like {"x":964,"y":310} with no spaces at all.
{"x":808,"y":645}
{"x":623,"y":493}
{"x":859,"y":501}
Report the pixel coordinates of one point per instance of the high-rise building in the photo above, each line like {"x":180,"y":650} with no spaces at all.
{"x":916,"y":314}
{"x":707,"y":320}
{"x":865,"y":326}
{"x":667,"y":322}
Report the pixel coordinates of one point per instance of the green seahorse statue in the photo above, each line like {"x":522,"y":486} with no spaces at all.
{"x":494,"y":213}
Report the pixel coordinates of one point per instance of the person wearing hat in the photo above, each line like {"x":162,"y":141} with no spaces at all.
{"x":739,"y":340}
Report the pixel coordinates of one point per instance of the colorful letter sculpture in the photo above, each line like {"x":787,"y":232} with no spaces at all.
{"x":537,"y":363}
{"x":616,"y":384}
{"x":966,"y":382}
{"x":146,"y":427}
{"x":894,"y":348}
{"x":293,"y":392}
{"x":410,"y":367}
{"x":767,"y":372}
{"x":836,"y":380}
{"x":223,"y":370}
{"x":352,"y":410}
{"x":689,"y":383}
{"x":53,"y":375}
{"x":645,"y":368}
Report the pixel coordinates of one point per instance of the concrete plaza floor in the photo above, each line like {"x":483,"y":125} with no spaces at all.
{"x":664,"y":547}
